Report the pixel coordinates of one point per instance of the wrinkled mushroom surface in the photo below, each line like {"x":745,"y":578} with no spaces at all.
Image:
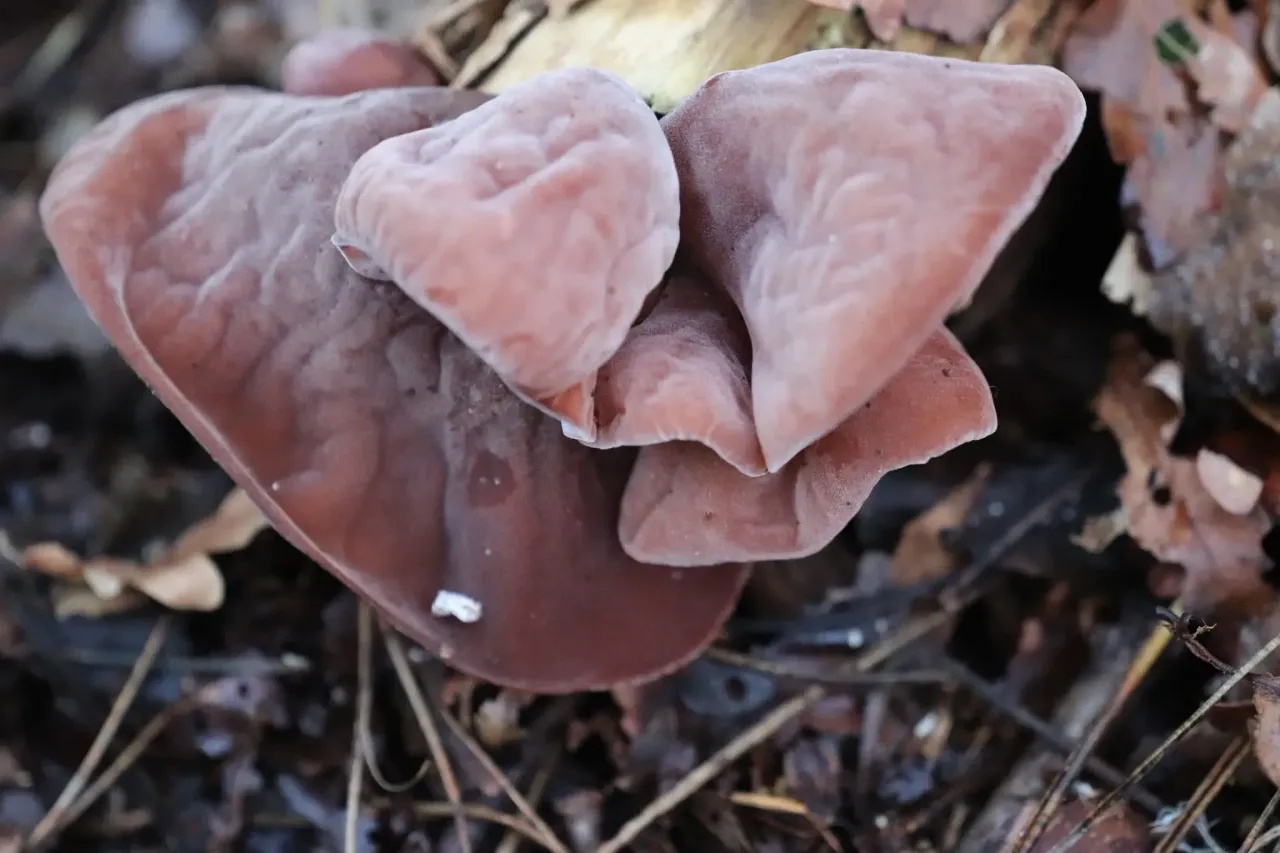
{"x":685,"y":505}
{"x":196,"y":226}
{"x":847,"y":201}
{"x":346,"y":60}
{"x":533,"y":226}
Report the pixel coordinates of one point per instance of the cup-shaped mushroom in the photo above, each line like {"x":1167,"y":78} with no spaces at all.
{"x":195,"y":226}
{"x":682,"y":375}
{"x":686,"y":506}
{"x":345,"y":60}
{"x":534,"y":227}
{"x":847,"y":201}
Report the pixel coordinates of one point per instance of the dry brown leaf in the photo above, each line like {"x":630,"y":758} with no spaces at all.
{"x":1235,"y":489}
{"x":1227,"y":78}
{"x":1098,"y":532}
{"x":1174,"y":152}
{"x":921,"y":556}
{"x":1111,"y":50}
{"x":1170,"y":512}
{"x":183,"y":577}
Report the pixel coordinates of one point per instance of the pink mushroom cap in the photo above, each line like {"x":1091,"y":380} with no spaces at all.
{"x":848,"y":201}
{"x":534,"y":227}
{"x":195,"y":226}
{"x":345,"y":60}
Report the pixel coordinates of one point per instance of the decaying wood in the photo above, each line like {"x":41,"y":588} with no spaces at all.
{"x":666,"y":48}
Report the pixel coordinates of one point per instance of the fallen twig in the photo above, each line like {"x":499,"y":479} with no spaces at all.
{"x":61,"y":814}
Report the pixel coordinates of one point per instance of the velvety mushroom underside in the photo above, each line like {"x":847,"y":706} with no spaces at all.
{"x":196,"y":227}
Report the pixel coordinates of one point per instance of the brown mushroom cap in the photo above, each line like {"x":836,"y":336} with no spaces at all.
{"x":847,"y":200}
{"x":195,"y":226}
{"x":533,"y":226}
{"x":681,"y":375}
{"x":345,"y":60}
{"x":686,"y":506}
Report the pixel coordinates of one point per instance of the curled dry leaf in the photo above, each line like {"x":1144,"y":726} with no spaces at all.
{"x":1137,"y":55}
{"x":921,"y":555}
{"x":1170,"y":512}
{"x":1235,"y":489}
{"x":183,"y":577}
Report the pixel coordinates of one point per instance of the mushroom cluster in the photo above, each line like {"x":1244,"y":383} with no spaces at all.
{"x":541,"y":375}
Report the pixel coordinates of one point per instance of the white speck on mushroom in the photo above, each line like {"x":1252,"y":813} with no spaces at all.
{"x":275,"y":486}
{"x":488,"y":552}
{"x":572,"y":431}
{"x":455,"y":604}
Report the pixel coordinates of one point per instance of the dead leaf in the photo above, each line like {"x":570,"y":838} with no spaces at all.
{"x":1227,"y":79}
{"x":1112,"y":50}
{"x":1170,"y":512}
{"x":1266,"y":733}
{"x":183,"y":577}
{"x":1137,"y":54}
{"x":921,"y":555}
{"x":1235,"y":489}
{"x":1097,"y":533}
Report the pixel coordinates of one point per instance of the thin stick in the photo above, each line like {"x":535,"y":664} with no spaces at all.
{"x":1217,"y":777}
{"x":1105,"y":804}
{"x":1150,"y":652}
{"x":127,"y":757}
{"x":57,"y":816}
{"x":427,"y":723}
{"x":550,"y":841}
{"x":713,"y":767}
{"x":478,"y":811}
{"x":355,"y":776}
{"x":364,"y":707}
{"x":536,"y":789}
{"x":1260,"y":825}
{"x":1046,"y":732}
